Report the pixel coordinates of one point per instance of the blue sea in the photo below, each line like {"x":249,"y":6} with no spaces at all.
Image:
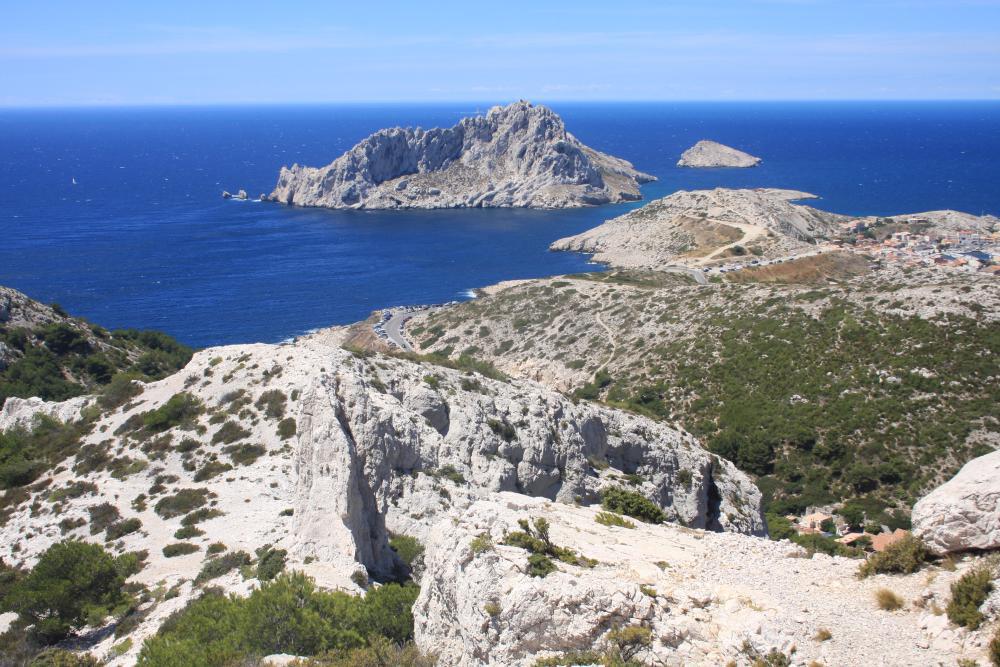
{"x":143,"y":238}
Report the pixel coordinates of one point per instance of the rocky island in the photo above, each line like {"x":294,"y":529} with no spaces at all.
{"x":708,"y":154}
{"x":517,"y":156}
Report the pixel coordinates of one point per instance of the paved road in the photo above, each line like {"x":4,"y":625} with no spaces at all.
{"x":699,"y":276}
{"x":394,"y":329}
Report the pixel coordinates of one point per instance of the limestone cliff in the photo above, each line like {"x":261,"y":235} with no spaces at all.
{"x":515,"y":156}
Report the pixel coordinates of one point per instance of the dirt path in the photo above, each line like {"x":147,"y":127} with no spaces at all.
{"x":750,"y":233}
{"x":611,"y":339}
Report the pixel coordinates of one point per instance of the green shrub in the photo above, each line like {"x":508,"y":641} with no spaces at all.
{"x":272,"y":403}
{"x":901,"y":557}
{"x":182,"y":502}
{"x":72,"y":584}
{"x":181,"y":410}
{"x":216,"y":567}
{"x":481,"y":543}
{"x":122,"y":528}
{"x":179,"y":549}
{"x":286,"y":615}
{"x":409,"y":549}
{"x":245,"y":454}
{"x":229,"y":432}
{"x":540,"y":565}
{"x":187,"y":532}
{"x":967,"y":595}
{"x":630,"y":503}
{"x":286,"y":428}
{"x":25,"y":454}
{"x":270,"y":562}
{"x":102,"y":516}
{"x":626,"y":642}
{"x":612,"y":519}
{"x":502,"y":428}
{"x":119,"y":391}
{"x":211,"y":469}
{"x":201,"y":515}
{"x":215,"y":548}
{"x":58,"y":657}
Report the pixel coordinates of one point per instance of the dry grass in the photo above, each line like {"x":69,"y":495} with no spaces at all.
{"x":887,"y":600}
{"x":808,"y":270}
{"x":823,"y":635}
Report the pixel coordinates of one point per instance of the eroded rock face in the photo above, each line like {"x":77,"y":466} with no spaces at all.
{"x":963,"y":514}
{"x":707,"y":154}
{"x":515,"y":156}
{"x":707,"y":598}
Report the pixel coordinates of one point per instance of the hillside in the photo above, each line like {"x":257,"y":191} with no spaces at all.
{"x":870,"y":389}
{"x":46,"y":353}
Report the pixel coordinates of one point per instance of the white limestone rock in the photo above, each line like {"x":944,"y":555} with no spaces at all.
{"x":515,"y":156}
{"x":645,"y":237}
{"x":710,"y":154}
{"x":963,"y":514}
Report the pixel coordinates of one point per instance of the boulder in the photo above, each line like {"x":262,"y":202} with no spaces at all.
{"x":963,"y":514}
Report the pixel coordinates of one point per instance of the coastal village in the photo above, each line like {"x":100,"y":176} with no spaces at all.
{"x":964,"y":250}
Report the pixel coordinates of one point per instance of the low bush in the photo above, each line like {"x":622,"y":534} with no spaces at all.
{"x":612,"y":519}
{"x":286,"y":615}
{"x":179,"y":549}
{"x":409,"y":549}
{"x":286,"y":428}
{"x":887,"y":600}
{"x":102,"y":516}
{"x":272,"y":403}
{"x":904,"y":556}
{"x":534,"y":538}
{"x":994,"y":649}
{"x":188,"y":532}
{"x":182,"y":502}
{"x":967,"y":595}
{"x":245,"y":454}
{"x":216,"y":567}
{"x":229,"y":433}
{"x":122,"y":528}
{"x":270,"y":562}
{"x":481,"y":543}
{"x":630,"y":503}
{"x":181,"y":410}
{"x":201,"y":515}
{"x":211,"y":469}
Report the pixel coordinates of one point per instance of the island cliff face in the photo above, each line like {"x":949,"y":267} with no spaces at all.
{"x":707,"y":154}
{"x":515,"y":156}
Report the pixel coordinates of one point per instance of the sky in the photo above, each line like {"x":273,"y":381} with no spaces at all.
{"x":114,"y":52}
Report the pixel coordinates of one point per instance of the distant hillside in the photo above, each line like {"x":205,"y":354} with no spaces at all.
{"x":874,"y":388}
{"x":46,"y":353}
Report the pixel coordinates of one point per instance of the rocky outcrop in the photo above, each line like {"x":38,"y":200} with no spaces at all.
{"x":515,"y":156}
{"x":376,"y":444}
{"x":963,"y":514}
{"x":660,"y":233}
{"x":708,"y":154}
{"x":706,"y":598}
